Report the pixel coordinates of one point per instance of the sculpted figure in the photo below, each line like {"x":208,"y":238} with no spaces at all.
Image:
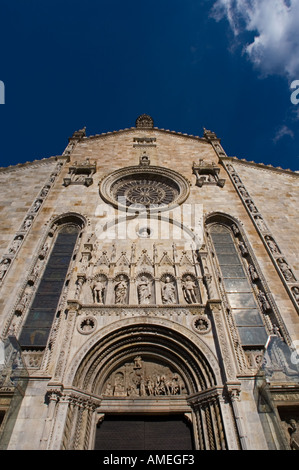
{"x":168,"y":292}
{"x":272,"y":245}
{"x":98,"y":291}
{"x":120,"y":289}
{"x":296,"y":293}
{"x":144,"y":290}
{"x":264,"y":301}
{"x":294,"y":434}
{"x":285,"y":270}
{"x":15,"y":244}
{"x":3,"y":268}
{"x":243,"y":248}
{"x":251,"y":206}
{"x":189,"y":290}
{"x":27,"y":223}
{"x":253,"y":273}
{"x":260,"y":223}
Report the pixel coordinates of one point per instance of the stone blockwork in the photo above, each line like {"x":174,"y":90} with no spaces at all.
{"x":140,"y":299}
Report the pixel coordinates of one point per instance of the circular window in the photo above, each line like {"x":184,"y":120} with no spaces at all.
{"x":153,"y":188}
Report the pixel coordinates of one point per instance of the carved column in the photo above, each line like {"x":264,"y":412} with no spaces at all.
{"x":67,"y":332}
{"x":234,"y":391}
{"x":222,"y":335}
{"x":156,"y":277}
{"x":209,"y":419}
{"x":208,"y":278}
{"x":53,"y":396}
{"x":59,"y":424}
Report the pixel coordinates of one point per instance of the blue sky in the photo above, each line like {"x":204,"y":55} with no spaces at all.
{"x":226,"y":65}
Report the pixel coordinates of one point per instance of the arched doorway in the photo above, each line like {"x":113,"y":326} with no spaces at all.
{"x":144,"y":432}
{"x":150,"y":377}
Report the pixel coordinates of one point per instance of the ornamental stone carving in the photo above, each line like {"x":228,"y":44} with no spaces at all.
{"x":207,"y":172}
{"x":168,"y":290}
{"x":144,"y":378}
{"x":201,"y":324}
{"x":86,"y":325}
{"x":144,"y":186}
{"x":121,"y":289}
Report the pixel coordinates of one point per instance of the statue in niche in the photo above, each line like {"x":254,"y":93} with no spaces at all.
{"x":120,"y":289}
{"x":293,"y":430}
{"x":243,"y":249}
{"x":295,"y":291}
{"x":3,"y":268}
{"x":189,"y":287}
{"x":79,"y":283}
{"x":243,"y":191}
{"x":284,"y":267}
{"x":253,"y":274}
{"x":168,"y":292}
{"x":37,"y":205}
{"x":16,"y":244}
{"x":98,"y":291}
{"x":28,"y":222}
{"x":44,"y":251}
{"x":260,"y":223}
{"x":235,"y":230}
{"x":272,"y":245}
{"x":251,"y":206}
{"x":45,"y":191}
{"x":264,"y":301}
{"x":144,"y":290}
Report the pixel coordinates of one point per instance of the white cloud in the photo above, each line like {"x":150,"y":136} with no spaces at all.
{"x":275,"y":25}
{"x":282,"y":132}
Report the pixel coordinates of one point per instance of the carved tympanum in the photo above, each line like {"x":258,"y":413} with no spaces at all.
{"x":144,"y":378}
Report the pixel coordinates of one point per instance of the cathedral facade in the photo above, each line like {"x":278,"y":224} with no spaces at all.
{"x":149,"y":297}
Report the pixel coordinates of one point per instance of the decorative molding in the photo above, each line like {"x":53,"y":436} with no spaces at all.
{"x":275,"y":253}
{"x":20,"y":236}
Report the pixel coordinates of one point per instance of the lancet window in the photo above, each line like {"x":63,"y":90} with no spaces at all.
{"x":37,"y":326}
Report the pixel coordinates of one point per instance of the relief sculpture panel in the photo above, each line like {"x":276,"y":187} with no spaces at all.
{"x":144,"y":378}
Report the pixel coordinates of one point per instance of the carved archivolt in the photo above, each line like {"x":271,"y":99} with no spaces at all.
{"x":156,"y":341}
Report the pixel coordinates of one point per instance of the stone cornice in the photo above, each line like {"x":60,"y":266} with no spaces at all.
{"x":33,"y":164}
{"x":145,"y":130}
{"x":260,"y":166}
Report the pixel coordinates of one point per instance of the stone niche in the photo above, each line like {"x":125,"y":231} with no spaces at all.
{"x":144,"y":378}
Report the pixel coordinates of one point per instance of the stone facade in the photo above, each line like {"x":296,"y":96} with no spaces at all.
{"x":145,"y":271}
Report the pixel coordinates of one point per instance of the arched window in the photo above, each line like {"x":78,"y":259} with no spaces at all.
{"x":41,"y":314}
{"x":237,"y":286}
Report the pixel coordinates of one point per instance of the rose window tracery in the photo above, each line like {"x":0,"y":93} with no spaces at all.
{"x":151,"y":187}
{"x":145,"y":191}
